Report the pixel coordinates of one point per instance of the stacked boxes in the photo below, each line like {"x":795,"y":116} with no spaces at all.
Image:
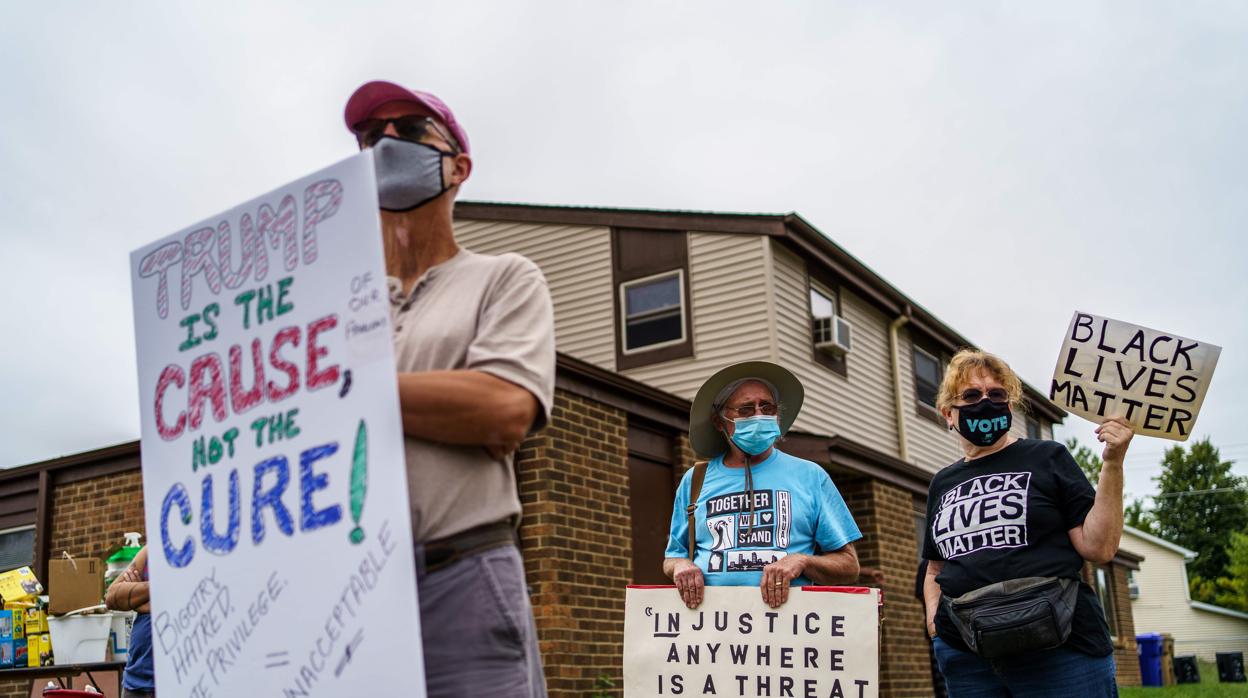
{"x":6,"y":637}
{"x":12,"y":637}
{"x":38,"y":640}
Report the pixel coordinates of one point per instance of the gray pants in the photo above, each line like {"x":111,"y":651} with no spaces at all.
{"x":478,"y":629}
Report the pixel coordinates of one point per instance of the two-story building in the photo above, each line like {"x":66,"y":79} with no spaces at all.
{"x":648,"y":304}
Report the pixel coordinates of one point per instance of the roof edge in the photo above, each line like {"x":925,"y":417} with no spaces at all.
{"x":1202,"y":606}
{"x":1188,"y":555}
{"x":128,"y":448}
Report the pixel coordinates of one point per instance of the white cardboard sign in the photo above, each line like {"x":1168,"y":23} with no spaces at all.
{"x":822,"y":643}
{"x":1156,"y":380}
{"x":273,"y":474}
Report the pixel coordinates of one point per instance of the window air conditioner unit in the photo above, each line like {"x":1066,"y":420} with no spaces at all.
{"x":833,"y":335}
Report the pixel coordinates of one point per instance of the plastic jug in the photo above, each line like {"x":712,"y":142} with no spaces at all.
{"x":120,"y":560}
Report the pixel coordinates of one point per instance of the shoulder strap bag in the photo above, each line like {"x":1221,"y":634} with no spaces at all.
{"x":695,"y":489}
{"x":1015,"y":616}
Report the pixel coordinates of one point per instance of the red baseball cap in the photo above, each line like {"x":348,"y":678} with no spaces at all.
{"x":371,"y":95}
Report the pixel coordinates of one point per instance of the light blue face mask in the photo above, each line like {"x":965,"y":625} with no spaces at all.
{"x":756,"y":434}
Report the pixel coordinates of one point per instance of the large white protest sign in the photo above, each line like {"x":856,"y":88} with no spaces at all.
{"x":1156,"y":380}
{"x":273,"y":476}
{"x":822,"y":643}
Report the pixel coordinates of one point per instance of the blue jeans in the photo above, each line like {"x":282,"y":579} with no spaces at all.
{"x":1059,"y":673}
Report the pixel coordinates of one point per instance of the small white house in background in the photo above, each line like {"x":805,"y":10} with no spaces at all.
{"x":1161,"y":602}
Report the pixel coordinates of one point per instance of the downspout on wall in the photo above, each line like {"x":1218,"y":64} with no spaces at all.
{"x":903,"y":447}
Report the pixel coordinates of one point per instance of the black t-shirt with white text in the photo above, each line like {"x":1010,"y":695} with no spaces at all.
{"x":1005,"y":516}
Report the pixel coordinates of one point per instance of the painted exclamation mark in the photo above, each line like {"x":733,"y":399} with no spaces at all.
{"x":359,"y":480}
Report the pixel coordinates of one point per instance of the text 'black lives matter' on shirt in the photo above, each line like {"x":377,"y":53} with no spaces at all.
{"x":1008,"y":515}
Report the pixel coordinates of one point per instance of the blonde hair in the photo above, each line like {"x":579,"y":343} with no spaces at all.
{"x":969,"y":361}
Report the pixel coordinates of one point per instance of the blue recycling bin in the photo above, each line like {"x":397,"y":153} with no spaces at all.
{"x":1149,"y":645}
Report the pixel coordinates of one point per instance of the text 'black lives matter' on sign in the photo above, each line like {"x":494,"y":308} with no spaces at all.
{"x":822,"y":643}
{"x":1155,"y":380}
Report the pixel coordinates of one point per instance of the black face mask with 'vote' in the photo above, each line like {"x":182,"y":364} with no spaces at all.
{"x":985,"y":422}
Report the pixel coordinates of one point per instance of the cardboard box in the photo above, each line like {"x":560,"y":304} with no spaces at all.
{"x":19,"y":623}
{"x":74,"y":584}
{"x":19,"y":585}
{"x":6,"y":625}
{"x":19,"y":654}
{"x":6,"y":654}
{"x":34,"y":621}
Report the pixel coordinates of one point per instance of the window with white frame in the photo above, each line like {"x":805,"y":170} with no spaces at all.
{"x":653,"y":311}
{"x":927,"y":375}
{"x":822,"y":314}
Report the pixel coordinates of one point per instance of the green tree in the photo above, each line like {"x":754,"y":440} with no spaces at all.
{"x":1231,"y":589}
{"x":1139,"y":518}
{"x":1134,"y":514}
{"x":1200,"y":503}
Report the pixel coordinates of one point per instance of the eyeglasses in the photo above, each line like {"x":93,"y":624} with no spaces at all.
{"x":412,"y":127}
{"x":973,"y":395}
{"x":748,"y":409}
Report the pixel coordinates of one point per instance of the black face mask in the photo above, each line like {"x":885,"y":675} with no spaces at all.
{"x":985,"y":422}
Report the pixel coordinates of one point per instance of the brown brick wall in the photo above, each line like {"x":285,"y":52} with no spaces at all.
{"x":577,"y":540}
{"x":89,"y":517}
{"x":885,"y":514}
{"x":1125,"y":652}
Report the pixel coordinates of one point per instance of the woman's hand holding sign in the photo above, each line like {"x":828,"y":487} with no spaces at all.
{"x":1116,"y":434}
{"x":689,"y":582}
{"x":778,"y":575}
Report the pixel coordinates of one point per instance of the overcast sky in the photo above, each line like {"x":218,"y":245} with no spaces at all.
{"x":1003,"y":164}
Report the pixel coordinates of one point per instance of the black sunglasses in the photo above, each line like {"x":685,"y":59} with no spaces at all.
{"x":748,"y":409}
{"x":412,"y":127}
{"x":973,"y":395}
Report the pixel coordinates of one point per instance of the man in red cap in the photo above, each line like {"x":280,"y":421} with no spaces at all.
{"x":474,"y":344}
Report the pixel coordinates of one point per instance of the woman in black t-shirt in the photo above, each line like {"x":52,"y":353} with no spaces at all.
{"x":1015,"y":508}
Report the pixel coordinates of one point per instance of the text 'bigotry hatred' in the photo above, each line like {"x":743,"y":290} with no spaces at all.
{"x":1155,"y":380}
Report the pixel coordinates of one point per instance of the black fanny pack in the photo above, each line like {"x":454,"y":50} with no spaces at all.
{"x":1015,"y":616}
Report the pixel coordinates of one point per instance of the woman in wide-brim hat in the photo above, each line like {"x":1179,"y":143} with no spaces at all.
{"x":761,"y":517}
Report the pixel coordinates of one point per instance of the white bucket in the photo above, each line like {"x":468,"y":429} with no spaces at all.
{"x":80,"y":639}
{"x":119,"y":634}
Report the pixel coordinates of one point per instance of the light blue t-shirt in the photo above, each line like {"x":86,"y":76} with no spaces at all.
{"x":796,"y":507}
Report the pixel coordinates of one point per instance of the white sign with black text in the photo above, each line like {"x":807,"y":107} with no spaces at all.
{"x":1155,"y":380}
{"x":822,"y":643}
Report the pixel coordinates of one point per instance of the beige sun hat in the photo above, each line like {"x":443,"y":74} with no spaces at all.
{"x":707,"y":441}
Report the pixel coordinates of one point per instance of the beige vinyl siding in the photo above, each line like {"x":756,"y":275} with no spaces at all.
{"x":1163,"y":605}
{"x":859,"y":407}
{"x":728,"y":295}
{"x":932,"y":446}
{"x":577,"y":263}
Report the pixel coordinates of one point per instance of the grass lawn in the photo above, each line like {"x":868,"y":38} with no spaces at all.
{"x":1207,"y":688}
